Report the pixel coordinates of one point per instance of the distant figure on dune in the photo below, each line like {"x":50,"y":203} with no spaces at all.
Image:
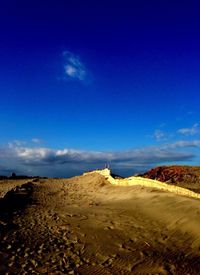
{"x":107,"y":166}
{"x":13,"y":175}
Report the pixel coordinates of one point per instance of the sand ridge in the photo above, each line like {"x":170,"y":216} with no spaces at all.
{"x":86,"y":225}
{"x":135,"y":180}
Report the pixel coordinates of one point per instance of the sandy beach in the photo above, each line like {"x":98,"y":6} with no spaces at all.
{"x":85,"y":225}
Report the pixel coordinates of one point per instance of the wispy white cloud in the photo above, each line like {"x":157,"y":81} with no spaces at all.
{"x":159,"y":135}
{"x":183,"y":144}
{"x":36,"y":140}
{"x":191,"y":131}
{"x":16,"y":143}
{"x":74,"y":68}
{"x":22,"y":143}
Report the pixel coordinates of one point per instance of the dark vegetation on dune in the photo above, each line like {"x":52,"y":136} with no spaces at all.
{"x":183,"y":176}
{"x":115,"y":176}
{"x":19,"y":177}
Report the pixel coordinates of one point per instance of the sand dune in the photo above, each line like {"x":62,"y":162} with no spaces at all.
{"x":7,"y":185}
{"x":131,"y":181}
{"x":86,"y":225}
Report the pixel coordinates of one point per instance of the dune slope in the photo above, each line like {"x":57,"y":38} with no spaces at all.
{"x":86,"y":225}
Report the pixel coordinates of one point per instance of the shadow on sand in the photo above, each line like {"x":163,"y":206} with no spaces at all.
{"x":14,"y":202}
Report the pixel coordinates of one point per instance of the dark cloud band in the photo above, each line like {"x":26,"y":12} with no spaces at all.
{"x":47,"y":161}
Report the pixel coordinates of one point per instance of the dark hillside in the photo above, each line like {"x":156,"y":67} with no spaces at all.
{"x":183,"y":176}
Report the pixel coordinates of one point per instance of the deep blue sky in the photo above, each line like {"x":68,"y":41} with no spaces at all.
{"x":117,"y":76}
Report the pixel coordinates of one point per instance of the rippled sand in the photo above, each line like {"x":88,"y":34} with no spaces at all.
{"x":85,"y":225}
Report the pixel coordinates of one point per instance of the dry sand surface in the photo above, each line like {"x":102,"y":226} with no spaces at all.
{"x":85,"y":225}
{"x":7,"y":185}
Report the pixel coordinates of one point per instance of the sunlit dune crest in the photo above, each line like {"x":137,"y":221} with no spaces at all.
{"x":98,"y":223}
{"x":135,"y":180}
